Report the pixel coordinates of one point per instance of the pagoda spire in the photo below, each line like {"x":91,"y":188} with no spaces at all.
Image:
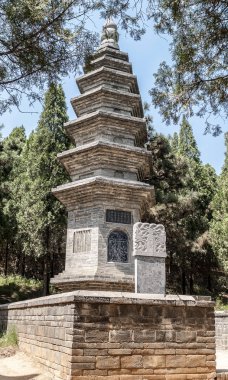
{"x":109,"y":35}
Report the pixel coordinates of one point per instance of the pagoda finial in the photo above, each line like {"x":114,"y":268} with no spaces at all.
{"x":110,"y":35}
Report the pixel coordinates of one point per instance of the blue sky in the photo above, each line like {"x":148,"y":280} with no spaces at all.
{"x":145,"y":56}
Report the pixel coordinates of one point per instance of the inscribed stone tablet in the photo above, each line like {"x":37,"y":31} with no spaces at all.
{"x":149,"y":240}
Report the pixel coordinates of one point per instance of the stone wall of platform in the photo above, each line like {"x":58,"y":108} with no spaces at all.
{"x":221,"y":330}
{"x":87,"y":335}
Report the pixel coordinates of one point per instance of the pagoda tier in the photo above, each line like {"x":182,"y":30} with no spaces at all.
{"x":86,"y":192}
{"x":106,"y":98}
{"x":107,"y":167}
{"x":106,"y":158}
{"x":106,"y":125}
{"x":108,"y":57}
{"x":116,"y":79}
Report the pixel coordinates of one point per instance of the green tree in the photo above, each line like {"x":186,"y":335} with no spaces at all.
{"x":41,"y":218}
{"x":184,"y":189}
{"x":219,"y":223}
{"x":196,"y":82}
{"x":43,"y":40}
{"x":10,"y":156}
{"x":174,"y":142}
{"x":187,"y":145}
{"x":40,"y":41}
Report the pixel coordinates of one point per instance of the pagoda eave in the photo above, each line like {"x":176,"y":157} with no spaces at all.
{"x":104,"y":96}
{"x":104,"y":74}
{"x":110,"y":62}
{"x":103,"y":154}
{"x":114,"y":53}
{"x":92,"y":190}
{"x":113,"y":121}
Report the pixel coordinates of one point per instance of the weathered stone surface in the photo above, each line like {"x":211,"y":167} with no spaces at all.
{"x":100,"y":335}
{"x":107,"y":168}
{"x":149,"y":240}
{"x":221,"y":330}
{"x":149,"y":251}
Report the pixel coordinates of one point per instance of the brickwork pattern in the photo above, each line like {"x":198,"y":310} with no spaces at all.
{"x":221,"y":331}
{"x":222,"y":376}
{"x":86,"y":335}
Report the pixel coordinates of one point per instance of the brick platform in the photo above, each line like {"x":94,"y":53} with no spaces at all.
{"x":86,"y":335}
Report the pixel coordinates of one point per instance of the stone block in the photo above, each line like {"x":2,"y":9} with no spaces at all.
{"x":107,"y":362}
{"x":120,"y":336}
{"x":144,"y":336}
{"x":97,"y":336}
{"x":186,"y":336}
{"x":154,"y":361}
{"x":133,"y":361}
{"x":195,"y":361}
{"x":173,"y":361}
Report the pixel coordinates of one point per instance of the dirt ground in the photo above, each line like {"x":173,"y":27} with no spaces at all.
{"x":20,"y":367}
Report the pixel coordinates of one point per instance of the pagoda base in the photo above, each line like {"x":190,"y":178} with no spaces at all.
{"x":66,"y":283}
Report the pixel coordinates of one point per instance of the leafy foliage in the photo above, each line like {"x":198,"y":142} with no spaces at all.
{"x":219,"y":224}
{"x":10,"y":338}
{"x":196,"y":82}
{"x":187,"y":146}
{"x":39,"y":220}
{"x":10,"y":156}
{"x":184,"y":189}
{"x":40,"y":41}
{"x":17,"y":288}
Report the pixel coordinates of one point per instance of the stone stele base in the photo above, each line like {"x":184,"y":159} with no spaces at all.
{"x":92,"y":335}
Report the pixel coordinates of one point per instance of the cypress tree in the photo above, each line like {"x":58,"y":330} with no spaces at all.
{"x":41,"y":217}
{"x":187,"y":145}
{"x":10,"y":155}
{"x":184,"y":188}
{"x":219,"y":223}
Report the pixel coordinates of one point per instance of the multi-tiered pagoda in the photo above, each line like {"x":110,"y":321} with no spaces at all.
{"x":108,"y":168}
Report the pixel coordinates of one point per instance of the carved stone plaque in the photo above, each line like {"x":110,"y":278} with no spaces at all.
{"x":118,"y":216}
{"x":149,"y":240}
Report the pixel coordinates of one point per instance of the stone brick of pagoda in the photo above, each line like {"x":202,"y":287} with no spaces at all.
{"x":108,"y":167}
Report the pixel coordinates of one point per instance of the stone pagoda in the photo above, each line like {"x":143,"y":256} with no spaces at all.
{"x":108,"y":167}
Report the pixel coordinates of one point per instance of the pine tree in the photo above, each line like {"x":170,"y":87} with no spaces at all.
{"x":41,"y":218}
{"x":219,"y":224}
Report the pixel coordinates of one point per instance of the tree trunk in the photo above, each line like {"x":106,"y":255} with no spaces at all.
{"x":191,"y":284}
{"x":6,"y":259}
{"x":183,"y":281}
{"x":46,"y":277}
{"x":191,"y":280}
{"x":209,"y":286}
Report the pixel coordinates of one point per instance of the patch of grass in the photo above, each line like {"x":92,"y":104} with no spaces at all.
{"x":18,"y":288}
{"x":221,"y":305}
{"x":9,"y":338}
